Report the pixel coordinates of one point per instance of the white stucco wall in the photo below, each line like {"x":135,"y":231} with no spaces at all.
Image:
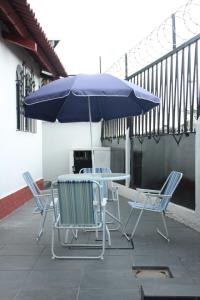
{"x":19,"y":151}
{"x":59,"y":139}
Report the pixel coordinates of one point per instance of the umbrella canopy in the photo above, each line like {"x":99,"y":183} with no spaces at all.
{"x":83,"y":98}
{"x":109,"y":98}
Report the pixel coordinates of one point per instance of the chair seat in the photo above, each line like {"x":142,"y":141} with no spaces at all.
{"x":152,"y":207}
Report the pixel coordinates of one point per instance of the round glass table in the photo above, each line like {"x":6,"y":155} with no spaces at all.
{"x":94,"y":176}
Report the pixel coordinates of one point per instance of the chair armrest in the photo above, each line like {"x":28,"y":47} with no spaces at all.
{"x":148,"y":191}
{"x":46,"y":199}
{"x":45,"y":193}
{"x":44,"y":196}
{"x":160,"y":196}
{"x":104,"y":202}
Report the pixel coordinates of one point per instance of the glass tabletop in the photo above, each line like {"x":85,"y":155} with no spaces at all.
{"x":94,"y":176}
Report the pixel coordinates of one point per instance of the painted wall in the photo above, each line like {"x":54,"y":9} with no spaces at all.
{"x":187,"y":216}
{"x":59,"y":139}
{"x":118,"y":164}
{"x":19,"y":151}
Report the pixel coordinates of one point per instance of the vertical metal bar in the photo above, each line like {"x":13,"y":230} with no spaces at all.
{"x":110,"y":129}
{"x":161,"y":95}
{"x":198,"y":86}
{"x":107,"y":129}
{"x":122,"y":132}
{"x":194,"y":84}
{"x":140,"y":77}
{"x":175,"y":97}
{"x":166,"y":96}
{"x":173,"y":31}
{"x":102,"y":129}
{"x":113,"y":133}
{"x":157,"y":111}
{"x":113,"y":128}
{"x":146,"y":115}
{"x":117,"y":123}
{"x":152,"y":91}
{"x":182,"y":91}
{"x":135,"y":129}
{"x":129,"y":124}
{"x":177,"y":83}
{"x":171,"y":90}
{"x":188,"y":89}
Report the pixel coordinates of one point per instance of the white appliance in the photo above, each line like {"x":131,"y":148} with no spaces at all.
{"x":81,"y":158}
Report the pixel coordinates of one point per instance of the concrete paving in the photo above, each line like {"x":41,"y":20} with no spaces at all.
{"x":28,"y":272}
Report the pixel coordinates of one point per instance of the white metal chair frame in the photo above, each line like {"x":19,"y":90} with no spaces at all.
{"x":114,"y":193}
{"x":97,"y":224}
{"x":43,"y":200}
{"x":156,"y":201}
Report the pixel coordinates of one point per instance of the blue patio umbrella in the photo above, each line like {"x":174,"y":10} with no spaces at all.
{"x":86,"y":97}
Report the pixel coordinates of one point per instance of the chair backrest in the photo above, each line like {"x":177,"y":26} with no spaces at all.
{"x":76,"y":203}
{"x":170,"y":186}
{"x":95,"y":170}
{"x":34,"y":189}
{"x":99,"y":170}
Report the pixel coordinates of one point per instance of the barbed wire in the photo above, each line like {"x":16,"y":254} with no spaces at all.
{"x":160,"y":40}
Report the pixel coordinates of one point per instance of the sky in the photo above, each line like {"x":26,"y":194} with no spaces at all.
{"x":88,"y":29}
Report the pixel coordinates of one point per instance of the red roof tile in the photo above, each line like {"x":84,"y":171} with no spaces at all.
{"x":21,"y":21}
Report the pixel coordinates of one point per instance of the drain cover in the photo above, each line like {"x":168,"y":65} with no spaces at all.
{"x":152,"y":272}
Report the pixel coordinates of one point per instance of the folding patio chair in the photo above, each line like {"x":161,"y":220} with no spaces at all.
{"x":156,"y":201}
{"x":43,"y":200}
{"x":77,"y":211}
{"x":114,"y":193}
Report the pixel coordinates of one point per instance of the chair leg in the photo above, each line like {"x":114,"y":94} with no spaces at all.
{"x":67,"y":232}
{"x":59,"y":236}
{"x":66,"y":239}
{"x":52,"y":242}
{"x":104,"y":235}
{"x":136,"y":225}
{"x":166,"y":235}
{"x":108,"y":235}
{"x":118,"y":210}
{"x":127,"y":221}
{"x":117,"y":216}
{"x":42,"y":225}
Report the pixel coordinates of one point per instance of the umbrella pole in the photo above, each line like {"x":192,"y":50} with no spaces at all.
{"x":91,"y":141}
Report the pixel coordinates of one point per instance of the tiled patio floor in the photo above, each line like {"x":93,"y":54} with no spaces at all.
{"x":27,"y":271}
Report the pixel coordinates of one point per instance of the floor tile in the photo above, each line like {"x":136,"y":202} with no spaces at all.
{"x":17,"y":262}
{"x":54,"y":279}
{"x":47,"y":294}
{"x":108,"y":279}
{"x":111,"y":294}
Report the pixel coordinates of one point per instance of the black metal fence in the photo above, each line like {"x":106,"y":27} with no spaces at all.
{"x":174,"y":78}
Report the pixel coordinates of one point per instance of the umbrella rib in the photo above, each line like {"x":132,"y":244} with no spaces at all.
{"x":48,"y":99}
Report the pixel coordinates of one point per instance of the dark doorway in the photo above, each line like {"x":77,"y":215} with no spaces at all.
{"x":82,"y":159}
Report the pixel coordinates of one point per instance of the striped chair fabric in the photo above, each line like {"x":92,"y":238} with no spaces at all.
{"x":76,"y":203}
